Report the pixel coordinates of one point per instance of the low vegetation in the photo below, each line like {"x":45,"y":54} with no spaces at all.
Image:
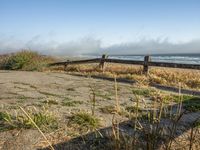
{"x":108,"y":109}
{"x":50,"y":102}
{"x":45,"y":120}
{"x":71,"y":103}
{"x":25,"y":60}
{"x":188,"y":79}
{"x":29,"y":60}
{"x":147,"y":119}
{"x":85,"y":121}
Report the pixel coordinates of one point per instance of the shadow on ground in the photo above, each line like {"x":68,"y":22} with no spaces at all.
{"x":151,"y":136}
{"x":158,"y":86}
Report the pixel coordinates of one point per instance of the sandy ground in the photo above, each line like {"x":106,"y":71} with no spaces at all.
{"x":33,"y":88}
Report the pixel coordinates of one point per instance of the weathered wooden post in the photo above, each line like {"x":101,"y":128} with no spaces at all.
{"x":102,"y":62}
{"x":146,"y":66}
{"x":65,"y":65}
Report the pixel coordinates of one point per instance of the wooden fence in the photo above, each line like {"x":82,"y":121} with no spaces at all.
{"x":146,"y":63}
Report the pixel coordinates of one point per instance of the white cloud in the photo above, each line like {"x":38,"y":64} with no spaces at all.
{"x":93,"y":45}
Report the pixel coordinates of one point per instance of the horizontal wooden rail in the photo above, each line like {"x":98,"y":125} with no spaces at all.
{"x":146,"y":63}
{"x":174,"y":65}
{"x":96,"y":60}
{"x":120,"y":61}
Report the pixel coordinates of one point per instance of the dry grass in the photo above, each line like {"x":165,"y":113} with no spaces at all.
{"x":189,"y":79}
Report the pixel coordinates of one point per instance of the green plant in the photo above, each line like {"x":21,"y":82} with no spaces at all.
{"x":50,"y":102}
{"x":26,"y":60}
{"x":143,"y":91}
{"x":71,"y":103}
{"x":108,"y":109}
{"x":20,"y":59}
{"x":44,"y":120}
{"x":132,"y":109}
{"x":106,"y":96}
{"x":85,"y":120}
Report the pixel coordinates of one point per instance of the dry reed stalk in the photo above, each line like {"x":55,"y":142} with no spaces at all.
{"x":93,"y":100}
{"x":180,"y":99}
{"x":37,"y":127}
{"x":161,"y":110}
{"x":115,"y":131}
{"x":136,"y":113}
{"x":154,"y":111}
{"x":116,"y":95}
{"x":193,"y":134}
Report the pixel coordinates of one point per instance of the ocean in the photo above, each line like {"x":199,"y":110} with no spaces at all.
{"x":172,"y":58}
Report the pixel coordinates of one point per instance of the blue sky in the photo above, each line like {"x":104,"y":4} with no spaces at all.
{"x":64,"y":25}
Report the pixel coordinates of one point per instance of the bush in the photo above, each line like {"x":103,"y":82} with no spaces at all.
{"x":26,"y":60}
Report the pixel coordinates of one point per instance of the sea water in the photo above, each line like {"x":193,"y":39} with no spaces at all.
{"x":171,"y":58}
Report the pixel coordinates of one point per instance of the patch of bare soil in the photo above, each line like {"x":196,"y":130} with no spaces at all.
{"x":65,"y":95}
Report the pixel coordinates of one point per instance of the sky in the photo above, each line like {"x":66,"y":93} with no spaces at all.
{"x":98,"y":26}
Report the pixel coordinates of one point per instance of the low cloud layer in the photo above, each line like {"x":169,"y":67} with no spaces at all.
{"x":90,"y":45}
{"x":155,"y":47}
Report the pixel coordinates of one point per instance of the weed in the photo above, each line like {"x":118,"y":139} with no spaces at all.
{"x":197,"y":123}
{"x":132,"y":109}
{"x":50,"y":102}
{"x":85,"y":120}
{"x":108,"y":109}
{"x":71,"y":103}
{"x":192,"y":104}
{"x":106,"y":96}
{"x":44,"y":120}
{"x":143,"y":92}
{"x":49,"y":94}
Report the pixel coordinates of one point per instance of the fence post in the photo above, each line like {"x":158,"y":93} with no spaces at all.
{"x":146,"y":66}
{"x":65,"y":65}
{"x":102,"y":62}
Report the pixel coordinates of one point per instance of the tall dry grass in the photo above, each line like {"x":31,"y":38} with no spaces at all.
{"x":189,"y":79}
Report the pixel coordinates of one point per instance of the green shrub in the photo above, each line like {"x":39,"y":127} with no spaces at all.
{"x":25,"y":60}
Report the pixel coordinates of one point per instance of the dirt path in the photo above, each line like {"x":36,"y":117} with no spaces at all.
{"x":34,"y":88}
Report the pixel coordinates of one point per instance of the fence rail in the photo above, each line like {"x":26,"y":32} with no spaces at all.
{"x":146,"y":63}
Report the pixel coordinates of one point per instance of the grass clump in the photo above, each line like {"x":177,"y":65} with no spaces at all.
{"x":143,"y":92}
{"x":26,"y":60}
{"x":106,"y":96}
{"x":108,"y":109}
{"x":50,"y":102}
{"x":132,"y":109}
{"x":192,"y":105}
{"x":71,"y":103}
{"x":44,"y":120}
{"x":85,"y":120}
{"x":197,"y":123}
